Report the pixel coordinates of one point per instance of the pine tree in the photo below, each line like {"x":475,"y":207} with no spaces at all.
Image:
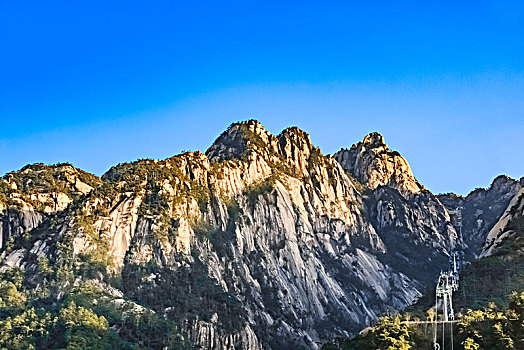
{"x":392,"y":334}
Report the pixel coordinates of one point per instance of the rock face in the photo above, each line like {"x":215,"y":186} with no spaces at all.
{"x":476,"y":214}
{"x":409,"y":219}
{"x":373,"y":164}
{"x":35,"y":192}
{"x":261,"y":243}
{"x":510,"y":226}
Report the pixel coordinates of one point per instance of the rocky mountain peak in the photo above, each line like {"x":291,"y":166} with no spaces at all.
{"x":295,"y":147}
{"x":261,"y":243}
{"x":476,"y":214}
{"x":29,"y":195}
{"x":373,"y":164}
{"x":49,"y":187}
{"x":502,"y":182}
{"x":374,"y":139}
{"x":249,"y":140}
{"x":507,"y":231}
{"x":297,"y":135}
{"x":501,"y":187}
{"x":239,"y":139}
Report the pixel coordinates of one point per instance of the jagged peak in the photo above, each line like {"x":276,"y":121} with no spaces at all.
{"x":251,"y":127}
{"x":61,"y":171}
{"x":296,"y":135}
{"x":372,"y":163}
{"x":48,"y":188}
{"x":450,"y":195}
{"x":500,"y":184}
{"x":295,"y":131}
{"x":374,"y":139}
{"x":238,"y":139}
{"x":144,"y":165}
{"x":249,"y":139}
{"x":41,"y":166}
{"x":252,"y":123}
{"x":500,"y":181}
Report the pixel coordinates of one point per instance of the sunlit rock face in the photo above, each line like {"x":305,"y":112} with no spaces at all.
{"x":509,"y":226}
{"x":262,"y":242}
{"x":373,"y":164}
{"x":35,"y":192}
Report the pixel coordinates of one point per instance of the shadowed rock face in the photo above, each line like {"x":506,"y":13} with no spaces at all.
{"x":509,"y":227}
{"x":477,"y":213}
{"x":260,"y":243}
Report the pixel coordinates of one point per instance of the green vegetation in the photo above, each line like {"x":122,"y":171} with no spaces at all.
{"x":253,"y":141}
{"x":491,"y":315}
{"x":260,"y":189}
{"x":100,"y":254}
{"x":86,"y":318}
{"x":188,"y":293}
{"x":392,"y":334}
{"x":359,"y":186}
{"x":44,"y":269}
{"x":492,"y":328}
{"x":493,"y":277}
{"x":152,"y":176}
{"x":489,"y":328}
{"x":220,"y":239}
{"x":203,"y":228}
{"x":316,"y":158}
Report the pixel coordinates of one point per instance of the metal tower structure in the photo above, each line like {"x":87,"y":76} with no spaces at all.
{"x":444,"y":292}
{"x":453,"y":270}
{"x":448,"y":282}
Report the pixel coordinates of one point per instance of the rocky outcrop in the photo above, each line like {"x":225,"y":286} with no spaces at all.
{"x":204,"y":336}
{"x":17,"y":222}
{"x":510,"y":226}
{"x":410,"y":220}
{"x":475,"y":215}
{"x":30,"y":195}
{"x":373,"y":164}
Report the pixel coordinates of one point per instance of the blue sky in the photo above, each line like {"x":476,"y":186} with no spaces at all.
{"x":96,"y":84}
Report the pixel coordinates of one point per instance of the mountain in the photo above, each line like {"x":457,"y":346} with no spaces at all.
{"x":489,"y":303}
{"x":475,"y":215}
{"x":36,"y":192}
{"x":262,"y":242}
{"x":500,"y":268}
{"x":372,"y":163}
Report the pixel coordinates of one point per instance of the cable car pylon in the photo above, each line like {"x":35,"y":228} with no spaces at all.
{"x":448,"y":282}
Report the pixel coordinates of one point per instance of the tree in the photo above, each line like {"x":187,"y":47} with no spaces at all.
{"x":503,"y":340}
{"x":21,"y":331}
{"x":10,"y":297}
{"x":431,"y":314}
{"x":469,"y":344}
{"x":43,"y":267}
{"x":392,"y":334}
{"x":84,"y":329}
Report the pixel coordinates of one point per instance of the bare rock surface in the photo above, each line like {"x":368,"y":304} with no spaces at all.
{"x":262,"y":242}
{"x":372,"y":163}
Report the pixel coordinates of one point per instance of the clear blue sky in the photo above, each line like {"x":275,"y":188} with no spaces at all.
{"x":98,"y":83}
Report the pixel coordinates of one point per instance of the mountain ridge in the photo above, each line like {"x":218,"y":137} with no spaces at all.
{"x":261,"y":242}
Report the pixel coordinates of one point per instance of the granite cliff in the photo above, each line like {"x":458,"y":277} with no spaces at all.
{"x":263,"y":242}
